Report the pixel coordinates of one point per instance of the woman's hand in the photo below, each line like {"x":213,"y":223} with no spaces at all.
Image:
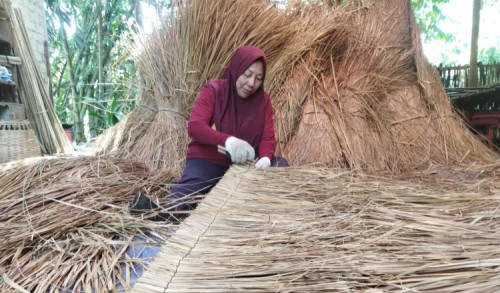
{"x":240,"y":150}
{"x":263,"y":162}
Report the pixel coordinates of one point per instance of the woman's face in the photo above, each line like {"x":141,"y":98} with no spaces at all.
{"x":250,"y":80}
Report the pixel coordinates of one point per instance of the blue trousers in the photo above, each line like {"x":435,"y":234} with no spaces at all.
{"x":197,"y":179}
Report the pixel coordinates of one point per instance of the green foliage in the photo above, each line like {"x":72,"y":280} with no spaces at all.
{"x":80,"y":86}
{"x":489,"y":55}
{"x":62,"y":109}
{"x":428,"y":14}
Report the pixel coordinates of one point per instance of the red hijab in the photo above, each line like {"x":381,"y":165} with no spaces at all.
{"x":242,"y":118}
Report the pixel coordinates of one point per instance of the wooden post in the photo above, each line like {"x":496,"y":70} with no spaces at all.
{"x":482,"y":74}
{"x":473,"y":43}
{"x":47,"y":65}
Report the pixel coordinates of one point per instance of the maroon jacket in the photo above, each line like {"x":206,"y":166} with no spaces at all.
{"x":208,"y":125}
{"x":220,"y":112}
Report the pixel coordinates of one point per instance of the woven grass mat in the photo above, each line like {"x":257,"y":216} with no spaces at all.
{"x":303,"y":230}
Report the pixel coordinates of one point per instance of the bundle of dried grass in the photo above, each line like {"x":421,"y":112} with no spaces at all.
{"x":132,"y":138}
{"x":369,"y":109}
{"x":35,"y":96}
{"x":349,"y":83}
{"x":313,"y":230}
{"x":194,"y":47}
{"x":295,"y":88}
{"x":64,"y":223}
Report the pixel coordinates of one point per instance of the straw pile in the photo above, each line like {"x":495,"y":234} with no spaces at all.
{"x":318,"y":230}
{"x":194,"y":48}
{"x":380,"y":105}
{"x":350,"y":88}
{"x":349,"y":83}
{"x":65,"y":225}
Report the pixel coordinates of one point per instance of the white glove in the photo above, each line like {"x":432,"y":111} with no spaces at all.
{"x":263,"y":162}
{"x":240,"y":150}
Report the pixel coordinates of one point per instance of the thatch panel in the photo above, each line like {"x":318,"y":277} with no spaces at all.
{"x":312,"y":230}
{"x":411,"y":128}
{"x":315,"y":140}
{"x":64,"y":223}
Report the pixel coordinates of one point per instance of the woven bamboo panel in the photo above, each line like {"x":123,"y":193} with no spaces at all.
{"x":17,"y":141}
{"x":324,"y":230}
{"x":12,"y":111}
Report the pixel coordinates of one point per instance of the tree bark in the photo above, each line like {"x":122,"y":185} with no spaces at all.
{"x":96,"y":125}
{"x":473,"y":43}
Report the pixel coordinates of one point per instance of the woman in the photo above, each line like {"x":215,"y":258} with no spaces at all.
{"x":231,"y":122}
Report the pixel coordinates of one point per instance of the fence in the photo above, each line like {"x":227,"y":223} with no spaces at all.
{"x":458,"y":76}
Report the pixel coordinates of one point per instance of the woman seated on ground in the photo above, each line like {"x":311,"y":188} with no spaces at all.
{"x":233,"y":111}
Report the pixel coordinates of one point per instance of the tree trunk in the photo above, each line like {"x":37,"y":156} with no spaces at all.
{"x":473,"y":43}
{"x":78,"y":123}
{"x":95,"y":124}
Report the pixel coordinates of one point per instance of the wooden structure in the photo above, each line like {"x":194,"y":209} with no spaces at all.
{"x":458,"y":76}
{"x":481,"y":109}
{"x":10,"y":106}
{"x":17,"y":137}
{"x":8,"y":90}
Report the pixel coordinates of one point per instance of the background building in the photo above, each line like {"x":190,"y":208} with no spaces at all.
{"x":35,"y":20}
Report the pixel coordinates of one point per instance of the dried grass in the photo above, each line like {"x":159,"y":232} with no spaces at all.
{"x":65,"y":224}
{"x":359,"y":65}
{"x":351,"y":88}
{"x":463,"y":148}
{"x":381,"y":104}
{"x":195,"y":46}
{"x":318,"y":230}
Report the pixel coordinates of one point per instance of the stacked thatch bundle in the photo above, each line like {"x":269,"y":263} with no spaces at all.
{"x":313,"y":230}
{"x":349,"y":84}
{"x":64,"y":224}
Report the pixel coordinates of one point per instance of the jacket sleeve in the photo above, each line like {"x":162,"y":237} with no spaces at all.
{"x":268,"y":142}
{"x":199,"y":124}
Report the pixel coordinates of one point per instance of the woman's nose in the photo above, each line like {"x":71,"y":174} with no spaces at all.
{"x":251,"y":81}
